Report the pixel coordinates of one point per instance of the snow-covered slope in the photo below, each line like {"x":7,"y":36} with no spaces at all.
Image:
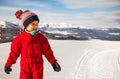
{"x":100,"y":65}
{"x":76,"y":58}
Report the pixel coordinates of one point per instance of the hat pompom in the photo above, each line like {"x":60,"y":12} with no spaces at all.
{"x":18,"y":14}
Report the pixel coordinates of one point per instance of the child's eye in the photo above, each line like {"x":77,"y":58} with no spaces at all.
{"x":33,"y":24}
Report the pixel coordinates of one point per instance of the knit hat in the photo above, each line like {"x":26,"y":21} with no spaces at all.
{"x":26,"y":17}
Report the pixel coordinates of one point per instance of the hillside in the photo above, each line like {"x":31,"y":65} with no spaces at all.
{"x":71,"y":32}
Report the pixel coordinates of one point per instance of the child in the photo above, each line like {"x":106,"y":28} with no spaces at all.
{"x":31,"y":45}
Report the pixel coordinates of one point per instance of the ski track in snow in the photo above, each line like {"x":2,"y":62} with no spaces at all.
{"x":102,"y":65}
{"x":93,"y":59}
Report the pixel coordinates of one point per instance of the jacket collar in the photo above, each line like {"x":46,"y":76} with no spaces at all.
{"x":29,"y":35}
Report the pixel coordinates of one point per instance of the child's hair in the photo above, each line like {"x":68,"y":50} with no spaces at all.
{"x":26,"y":17}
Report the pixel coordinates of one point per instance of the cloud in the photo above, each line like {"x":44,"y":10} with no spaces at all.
{"x":52,"y":16}
{"x":9,"y":9}
{"x":76,"y":4}
{"x":26,"y":3}
{"x":29,"y":3}
{"x":96,"y":19}
{"x":100,"y":19}
{"x":44,"y":16}
{"x":114,"y":17}
{"x":7,"y":13}
{"x":109,"y":17}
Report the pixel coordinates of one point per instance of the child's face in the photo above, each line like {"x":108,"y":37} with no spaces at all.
{"x":32,"y":26}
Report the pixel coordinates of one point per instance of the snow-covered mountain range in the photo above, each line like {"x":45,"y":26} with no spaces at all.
{"x":72,"y":32}
{"x":6,"y":24}
{"x":60,"y":25}
{"x":79,"y":33}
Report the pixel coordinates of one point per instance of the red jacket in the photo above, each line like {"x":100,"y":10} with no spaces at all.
{"x":30,"y":48}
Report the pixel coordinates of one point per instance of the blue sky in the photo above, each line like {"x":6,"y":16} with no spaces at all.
{"x":87,"y":13}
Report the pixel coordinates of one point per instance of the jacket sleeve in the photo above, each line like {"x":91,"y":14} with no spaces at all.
{"x":47,"y":51}
{"x":14,"y":52}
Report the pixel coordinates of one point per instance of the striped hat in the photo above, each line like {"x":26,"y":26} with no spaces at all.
{"x":26,"y":17}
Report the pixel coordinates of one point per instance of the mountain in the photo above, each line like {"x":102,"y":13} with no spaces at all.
{"x":77,"y":33}
{"x":61,"y":25}
{"x":6,"y":24}
{"x":64,"y":31}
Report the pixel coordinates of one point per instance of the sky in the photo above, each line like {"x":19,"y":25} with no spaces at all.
{"x":84,"y":13}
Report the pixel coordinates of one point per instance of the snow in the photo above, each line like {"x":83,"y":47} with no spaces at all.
{"x":6,"y":24}
{"x":102,"y":65}
{"x":94,"y":59}
{"x":60,"y":32}
{"x":61,"y":25}
{"x":114,"y":33}
{"x":2,"y":22}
